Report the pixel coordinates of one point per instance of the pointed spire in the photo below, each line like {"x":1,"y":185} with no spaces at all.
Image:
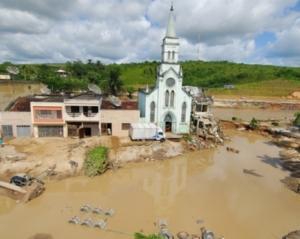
{"x":171,"y":23}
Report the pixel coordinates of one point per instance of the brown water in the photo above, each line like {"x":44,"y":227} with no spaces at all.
{"x":248,"y":114}
{"x":12,"y":90}
{"x":208,"y":185}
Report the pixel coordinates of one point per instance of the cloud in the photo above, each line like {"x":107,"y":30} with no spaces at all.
{"x":45,"y":8}
{"x":287,"y":44}
{"x":15,"y":21}
{"x":132,"y":30}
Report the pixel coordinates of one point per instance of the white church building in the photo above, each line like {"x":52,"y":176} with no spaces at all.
{"x":168,"y":105}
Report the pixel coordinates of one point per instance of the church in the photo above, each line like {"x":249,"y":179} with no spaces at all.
{"x":168,"y":105}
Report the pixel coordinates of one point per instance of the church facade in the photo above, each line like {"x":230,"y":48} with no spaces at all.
{"x":168,"y":105}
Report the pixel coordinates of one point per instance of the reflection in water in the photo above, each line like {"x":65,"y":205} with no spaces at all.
{"x":167,"y":182}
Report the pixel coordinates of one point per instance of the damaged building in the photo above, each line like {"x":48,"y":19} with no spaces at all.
{"x":203,"y":123}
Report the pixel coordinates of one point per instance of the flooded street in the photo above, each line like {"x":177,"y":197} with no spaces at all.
{"x":207,"y":185}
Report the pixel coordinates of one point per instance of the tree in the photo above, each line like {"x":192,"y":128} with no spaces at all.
{"x":130,"y":91}
{"x":114,"y":83}
{"x":77,"y":69}
{"x":253,"y":124}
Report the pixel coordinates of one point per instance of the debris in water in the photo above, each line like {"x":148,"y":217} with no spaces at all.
{"x":100,"y":224}
{"x":109,"y":212}
{"x":200,"y":221}
{"x":182,"y":235}
{"x":74,"y":220}
{"x":195,"y":237}
{"x":229,"y":149}
{"x":87,"y":222}
{"x":97,"y":210}
{"x":252,"y":172}
{"x":86,"y":208}
{"x":205,"y":234}
{"x":163,"y":230}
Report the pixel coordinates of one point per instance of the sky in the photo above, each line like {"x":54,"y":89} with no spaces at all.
{"x":50,"y":31}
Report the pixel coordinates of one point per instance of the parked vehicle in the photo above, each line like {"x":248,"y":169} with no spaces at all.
{"x":21,"y":180}
{"x":144,"y":131}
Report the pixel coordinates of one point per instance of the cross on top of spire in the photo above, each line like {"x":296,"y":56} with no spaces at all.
{"x":171,"y":23}
{"x":172,"y":6}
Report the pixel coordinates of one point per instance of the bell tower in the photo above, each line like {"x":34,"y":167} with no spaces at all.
{"x":170,"y":46}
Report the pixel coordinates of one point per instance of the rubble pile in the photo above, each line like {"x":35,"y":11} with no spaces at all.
{"x":207,"y":133}
{"x":292,"y":235}
{"x":9,"y":153}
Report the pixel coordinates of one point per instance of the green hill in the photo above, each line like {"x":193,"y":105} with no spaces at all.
{"x":248,"y":80}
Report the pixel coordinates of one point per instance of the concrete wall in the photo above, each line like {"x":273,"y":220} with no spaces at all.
{"x":15,"y":119}
{"x":58,"y":122}
{"x":117,"y":118}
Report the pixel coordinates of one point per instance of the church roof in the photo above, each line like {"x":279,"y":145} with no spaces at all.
{"x":171,"y":24}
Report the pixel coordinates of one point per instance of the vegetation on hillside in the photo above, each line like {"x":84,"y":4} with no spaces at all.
{"x":96,"y":162}
{"x":247,"y":79}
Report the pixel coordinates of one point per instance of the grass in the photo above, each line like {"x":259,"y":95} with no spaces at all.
{"x":249,"y":80}
{"x":138,"y":75}
{"x":142,"y":236}
{"x":269,"y":88}
{"x":96,"y":162}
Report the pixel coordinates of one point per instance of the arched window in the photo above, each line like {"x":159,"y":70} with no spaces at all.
{"x":152,"y":112}
{"x":169,"y":55}
{"x":183,"y":112}
{"x":172,"y":98}
{"x":167,"y":96}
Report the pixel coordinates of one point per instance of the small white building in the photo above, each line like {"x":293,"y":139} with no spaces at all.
{"x":62,"y":73}
{"x":168,"y":105}
{"x":5,"y":77}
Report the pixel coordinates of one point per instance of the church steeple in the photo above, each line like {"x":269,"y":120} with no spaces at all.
{"x":170,"y":46}
{"x":171,"y":24}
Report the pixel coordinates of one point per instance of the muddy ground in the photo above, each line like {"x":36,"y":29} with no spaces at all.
{"x":64,"y":157}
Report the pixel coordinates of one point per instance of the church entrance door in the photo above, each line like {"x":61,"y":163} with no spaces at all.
{"x":168,"y":123}
{"x":168,"y":126}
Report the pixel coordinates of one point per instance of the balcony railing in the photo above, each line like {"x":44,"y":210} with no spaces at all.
{"x":89,"y":114}
{"x":74,"y":115}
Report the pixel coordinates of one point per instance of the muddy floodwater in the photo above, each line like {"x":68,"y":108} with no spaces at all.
{"x":248,"y":114}
{"x":208,"y":185}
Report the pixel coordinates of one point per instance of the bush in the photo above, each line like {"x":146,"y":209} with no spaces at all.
{"x":253,"y":124}
{"x":142,"y":236}
{"x":130,"y":90}
{"x":297,"y":119}
{"x":188,"y":138}
{"x":96,"y":162}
